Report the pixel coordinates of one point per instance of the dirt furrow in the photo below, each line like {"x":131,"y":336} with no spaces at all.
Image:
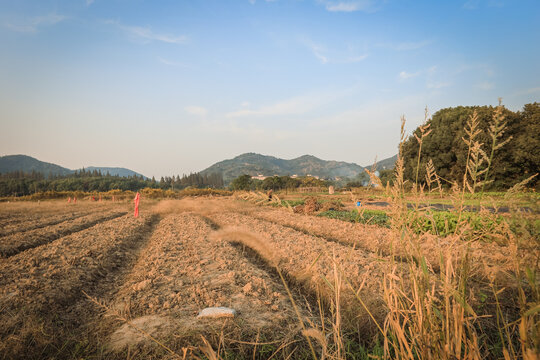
{"x":490,"y":259}
{"x":12,"y":245}
{"x":313,"y":262}
{"x":29,"y":225}
{"x":300,"y":292}
{"x":18,"y":216}
{"x":184,"y":270}
{"x":40,"y":288}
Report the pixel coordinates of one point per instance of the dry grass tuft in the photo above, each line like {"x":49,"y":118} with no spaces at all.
{"x":250,"y":240}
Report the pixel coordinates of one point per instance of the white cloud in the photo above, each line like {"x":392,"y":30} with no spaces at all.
{"x":321,"y":57}
{"x":353,"y":59}
{"x":252,"y":2}
{"x":405,"y":75}
{"x":437,"y":85}
{"x":321,"y":53}
{"x":31,"y":25}
{"x":528,"y":91}
{"x":293,"y":106}
{"x":196,"y":110}
{"x":406,"y":45}
{"x":471,"y":4}
{"x":485,"y":85}
{"x":257,"y":133}
{"x":171,"y":63}
{"x":350,"y":6}
{"x":89,"y":2}
{"x":485,"y":68}
{"x":343,"y":6}
{"x":317,"y":50}
{"x":431,"y":76}
{"x":147,"y":34}
{"x":495,"y":3}
{"x":381,"y":116}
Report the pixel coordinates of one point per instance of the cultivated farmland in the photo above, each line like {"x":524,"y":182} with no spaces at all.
{"x":89,"y":279}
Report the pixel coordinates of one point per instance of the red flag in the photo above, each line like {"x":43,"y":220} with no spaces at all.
{"x":137,"y":200}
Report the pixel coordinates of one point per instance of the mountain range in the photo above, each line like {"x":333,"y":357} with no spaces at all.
{"x":257,"y":164}
{"x":249,"y":163}
{"x":28,"y":164}
{"x":386,"y":164}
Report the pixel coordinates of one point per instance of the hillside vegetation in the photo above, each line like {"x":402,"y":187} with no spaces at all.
{"x":28,"y":164}
{"x":256,"y":164}
{"x":508,"y":144}
{"x":18,"y":183}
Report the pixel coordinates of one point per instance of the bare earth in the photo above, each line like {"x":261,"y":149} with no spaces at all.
{"x":90,"y":279}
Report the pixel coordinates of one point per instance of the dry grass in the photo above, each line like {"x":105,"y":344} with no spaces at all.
{"x":457,"y":304}
{"x":435,"y":316}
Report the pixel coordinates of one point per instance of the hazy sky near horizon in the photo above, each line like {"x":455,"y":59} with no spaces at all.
{"x":171,"y":87}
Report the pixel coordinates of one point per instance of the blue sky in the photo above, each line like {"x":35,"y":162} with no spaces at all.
{"x":170,"y":87}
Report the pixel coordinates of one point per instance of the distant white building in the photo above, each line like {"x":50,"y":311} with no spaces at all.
{"x":259,"y":177}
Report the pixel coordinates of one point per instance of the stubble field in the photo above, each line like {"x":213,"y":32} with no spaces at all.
{"x":90,"y":280}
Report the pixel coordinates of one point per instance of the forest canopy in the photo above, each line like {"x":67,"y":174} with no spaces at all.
{"x":517,"y":159}
{"x":19,"y":183}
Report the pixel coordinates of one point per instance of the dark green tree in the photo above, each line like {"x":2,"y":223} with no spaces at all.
{"x":513,"y":162}
{"x":243,"y":182}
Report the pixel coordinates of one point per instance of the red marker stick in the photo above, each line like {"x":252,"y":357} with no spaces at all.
{"x":137,"y":200}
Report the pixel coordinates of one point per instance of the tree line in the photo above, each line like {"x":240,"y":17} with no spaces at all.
{"x":213,"y":180}
{"x":245,"y":182}
{"x":19,"y":183}
{"x":508,"y":141}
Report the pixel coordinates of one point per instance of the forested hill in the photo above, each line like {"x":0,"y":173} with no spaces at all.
{"x":257,"y":164}
{"x":385,"y":164}
{"x":515,"y":153}
{"x":115,"y":171}
{"x":28,"y":164}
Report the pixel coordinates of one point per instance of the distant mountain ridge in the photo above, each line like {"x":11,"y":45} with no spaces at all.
{"x":256,"y":164}
{"x":27,"y":164}
{"x":385,"y":164}
{"x":249,"y":163}
{"x":114,"y":171}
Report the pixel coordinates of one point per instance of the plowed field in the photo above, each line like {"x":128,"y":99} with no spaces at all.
{"x":90,"y":280}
